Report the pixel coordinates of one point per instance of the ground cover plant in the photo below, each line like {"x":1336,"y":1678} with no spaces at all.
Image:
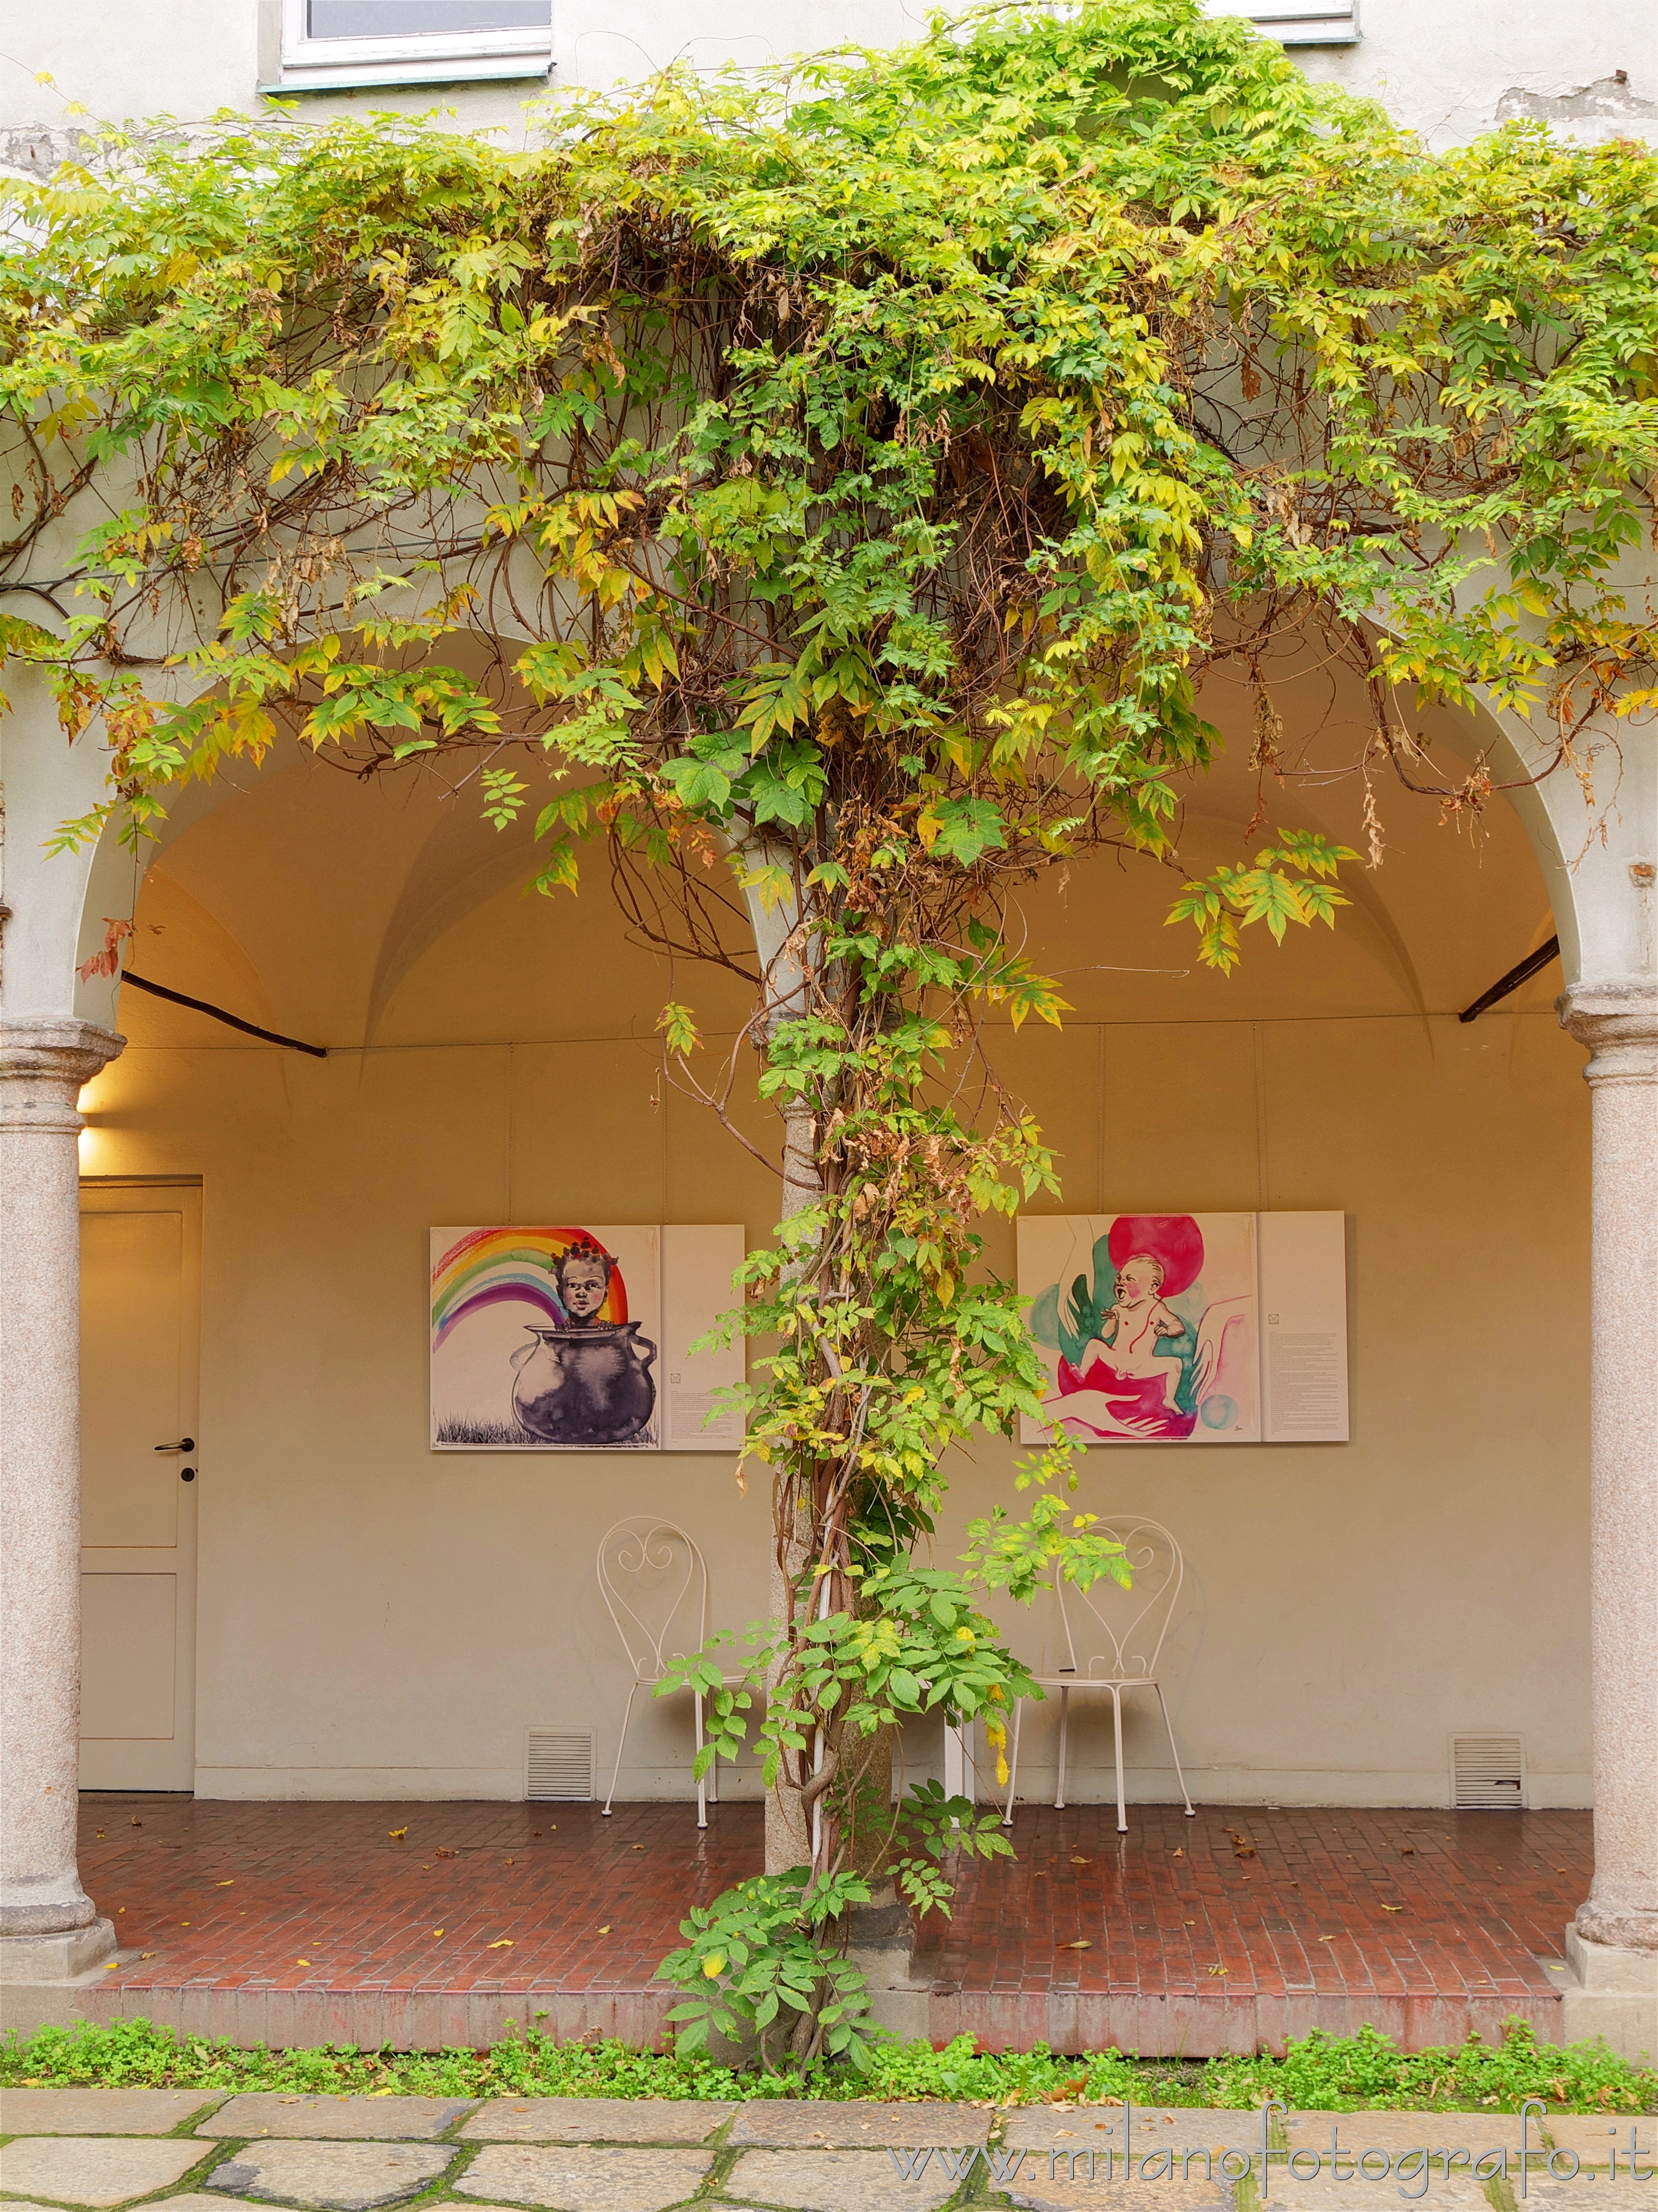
{"x":1318,"y":2072}
{"x":821,"y":491}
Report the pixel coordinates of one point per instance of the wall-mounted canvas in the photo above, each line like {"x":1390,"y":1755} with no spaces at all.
{"x":1189,"y":1328}
{"x":576,"y":1337}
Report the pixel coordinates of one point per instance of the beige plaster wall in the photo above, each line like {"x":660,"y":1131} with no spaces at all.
{"x":378,"y":1620}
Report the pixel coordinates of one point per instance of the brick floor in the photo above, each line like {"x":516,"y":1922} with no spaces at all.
{"x":302,"y":1922}
{"x":1424,"y":1924}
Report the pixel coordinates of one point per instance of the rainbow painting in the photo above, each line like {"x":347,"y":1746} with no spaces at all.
{"x":528,"y":1323}
{"x":493,"y":1267}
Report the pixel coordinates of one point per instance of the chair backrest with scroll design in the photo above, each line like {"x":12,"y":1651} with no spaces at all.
{"x":1126,"y":1627}
{"x":655,"y":1581}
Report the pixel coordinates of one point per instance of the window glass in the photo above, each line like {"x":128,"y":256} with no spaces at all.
{"x":406,"y":19}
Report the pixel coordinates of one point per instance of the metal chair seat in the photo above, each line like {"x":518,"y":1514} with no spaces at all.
{"x":1128,"y":1662}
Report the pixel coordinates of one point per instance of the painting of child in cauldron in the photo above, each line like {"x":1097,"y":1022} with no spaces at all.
{"x":1153,"y":1342}
{"x":536,"y":1345}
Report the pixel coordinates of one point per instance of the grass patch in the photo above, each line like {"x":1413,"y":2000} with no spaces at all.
{"x":1358,"y":2073}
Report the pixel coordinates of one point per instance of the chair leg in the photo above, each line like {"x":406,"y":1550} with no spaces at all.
{"x":1065,"y":1723}
{"x":701,"y":1779}
{"x":1013,"y":1763}
{"x":1173,"y":1753}
{"x":1116,"y":1716}
{"x":627,"y":1715}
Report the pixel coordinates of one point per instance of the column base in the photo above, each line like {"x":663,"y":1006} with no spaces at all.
{"x":882,"y":1946}
{"x":1613,"y":1994}
{"x":62,"y":1958}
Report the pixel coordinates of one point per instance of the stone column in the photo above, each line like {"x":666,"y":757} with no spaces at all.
{"x":49,"y":1928}
{"x":1613,"y":1944}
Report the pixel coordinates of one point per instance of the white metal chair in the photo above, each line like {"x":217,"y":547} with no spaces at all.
{"x":1132,"y":1623}
{"x":654,"y":1577}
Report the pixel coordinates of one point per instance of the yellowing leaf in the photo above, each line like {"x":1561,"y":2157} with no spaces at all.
{"x":396,"y":1834}
{"x":605,"y":1929}
{"x":1082,"y":1943}
{"x":501,"y":1944}
{"x":437,"y":1931}
{"x":715,"y":1965}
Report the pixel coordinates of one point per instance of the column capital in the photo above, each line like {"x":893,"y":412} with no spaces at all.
{"x":1618,"y":1020}
{"x":43,"y":1060}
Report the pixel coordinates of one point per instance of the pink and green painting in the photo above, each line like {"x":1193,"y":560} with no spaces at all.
{"x":1148,"y":1325}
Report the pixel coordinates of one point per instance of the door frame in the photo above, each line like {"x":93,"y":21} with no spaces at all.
{"x":182,"y":1194}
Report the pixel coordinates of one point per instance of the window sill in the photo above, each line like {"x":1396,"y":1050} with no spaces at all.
{"x":389,"y":76}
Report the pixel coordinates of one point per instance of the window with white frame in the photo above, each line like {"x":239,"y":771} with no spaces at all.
{"x":336,"y":44}
{"x":1298,"y":22}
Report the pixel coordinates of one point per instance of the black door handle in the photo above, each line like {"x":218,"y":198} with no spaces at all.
{"x":184,"y":1444}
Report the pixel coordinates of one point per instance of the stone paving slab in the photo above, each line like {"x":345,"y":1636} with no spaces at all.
{"x":1478,"y":2132}
{"x":344,"y":2177}
{"x":838,"y":2181}
{"x":595,"y":2119}
{"x":1586,"y":2196}
{"x":857,"y":2124}
{"x":100,"y":2111}
{"x":93,"y":2170}
{"x":192,"y":2201}
{"x":1460,"y":2194}
{"x":377,"y":2119}
{"x":628,"y":2179}
{"x":1101,"y":2127}
{"x":1595,"y":2138}
{"x":1033,"y":2191}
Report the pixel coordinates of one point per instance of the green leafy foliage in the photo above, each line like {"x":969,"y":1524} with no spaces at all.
{"x":1365,"y":2072}
{"x":1292,"y":881}
{"x":761,"y":1951}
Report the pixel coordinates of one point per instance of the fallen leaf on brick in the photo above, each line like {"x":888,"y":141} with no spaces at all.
{"x":1392,"y":1908}
{"x":446,"y":1851}
{"x":1220,"y":1970}
{"x":1081,"y":1944}
{"x":301,"y":1962}
{"x":437,"y":1931}
{"x":605,"y":1929}
{"x":231,"y":1884}
{"x":503,"y":1943}
{"x":396,"y":1834}
{"x":1075,"y":1861}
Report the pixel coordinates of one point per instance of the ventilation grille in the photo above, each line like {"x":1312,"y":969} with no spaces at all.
{"x":1487,"y":1771}
{"x":559,"y":1764}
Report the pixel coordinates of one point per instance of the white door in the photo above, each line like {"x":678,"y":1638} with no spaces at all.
{"x":140,"y":1330}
